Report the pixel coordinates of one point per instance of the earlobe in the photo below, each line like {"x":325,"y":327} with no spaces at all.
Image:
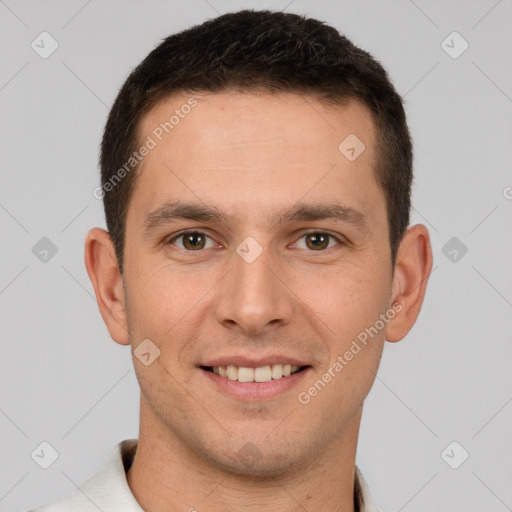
{"x":412,"y":270}
{"x":103,"y":270}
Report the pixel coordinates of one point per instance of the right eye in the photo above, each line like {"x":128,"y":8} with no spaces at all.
{"x":192,"y":240}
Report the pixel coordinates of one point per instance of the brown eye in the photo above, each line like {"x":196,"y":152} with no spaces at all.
{"x":317,"y":240}
{"x":192,"y":240}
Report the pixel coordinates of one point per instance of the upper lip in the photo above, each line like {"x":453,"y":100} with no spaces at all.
{"x":253,"y":362}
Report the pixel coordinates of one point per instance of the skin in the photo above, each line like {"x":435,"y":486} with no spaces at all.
{"x":253,"y":156}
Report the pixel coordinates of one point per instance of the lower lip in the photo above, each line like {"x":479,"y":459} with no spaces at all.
{"x":256,"y":390}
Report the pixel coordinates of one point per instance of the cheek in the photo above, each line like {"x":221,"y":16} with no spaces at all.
{"x":347,"y":299}
{"x":160,"y":302}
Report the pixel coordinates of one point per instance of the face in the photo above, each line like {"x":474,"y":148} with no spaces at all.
{"x":278,"y":253}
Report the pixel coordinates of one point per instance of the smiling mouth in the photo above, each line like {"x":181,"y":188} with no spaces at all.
{"x":260,"y":374}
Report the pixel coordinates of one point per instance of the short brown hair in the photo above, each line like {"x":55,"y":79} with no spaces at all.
{"x":260,"y":50}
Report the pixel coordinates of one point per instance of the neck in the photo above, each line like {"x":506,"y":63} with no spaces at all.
{"x":167,"y":474}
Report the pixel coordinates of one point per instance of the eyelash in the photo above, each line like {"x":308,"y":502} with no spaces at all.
{"x":305,"y":233}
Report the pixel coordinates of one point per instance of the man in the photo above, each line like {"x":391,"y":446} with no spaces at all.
{"x":256,"y":175}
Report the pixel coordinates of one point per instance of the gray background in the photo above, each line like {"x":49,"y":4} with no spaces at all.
{"x":64,"y":381}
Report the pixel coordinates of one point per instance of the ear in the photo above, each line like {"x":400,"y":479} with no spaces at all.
{"x":412,"y":270}
{"x":101,"y":264}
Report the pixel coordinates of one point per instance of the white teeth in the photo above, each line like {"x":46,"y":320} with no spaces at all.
{"x":260,"y":374}
{"x":277,"y":371}
{"x":232,"y":372}
{"x":245,"y":374}
{"x":263,"y":374}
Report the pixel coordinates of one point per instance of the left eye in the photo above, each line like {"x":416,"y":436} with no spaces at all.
{"x":318,"y":240}
{"x":193,"y":240}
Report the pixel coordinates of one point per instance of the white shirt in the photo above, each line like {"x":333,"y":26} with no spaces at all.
{"x":108,"y":489}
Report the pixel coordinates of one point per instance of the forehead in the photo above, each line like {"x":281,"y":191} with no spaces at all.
{"x":246,"y":122}
{"x":239,"y":150}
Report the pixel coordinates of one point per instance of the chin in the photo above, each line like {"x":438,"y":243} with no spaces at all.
{"x":265,"y":458}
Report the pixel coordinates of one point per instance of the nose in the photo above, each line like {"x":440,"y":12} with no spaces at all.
{"x":254,"y":296}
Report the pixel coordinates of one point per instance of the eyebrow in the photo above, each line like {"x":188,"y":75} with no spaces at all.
{"x":173,"y":210}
